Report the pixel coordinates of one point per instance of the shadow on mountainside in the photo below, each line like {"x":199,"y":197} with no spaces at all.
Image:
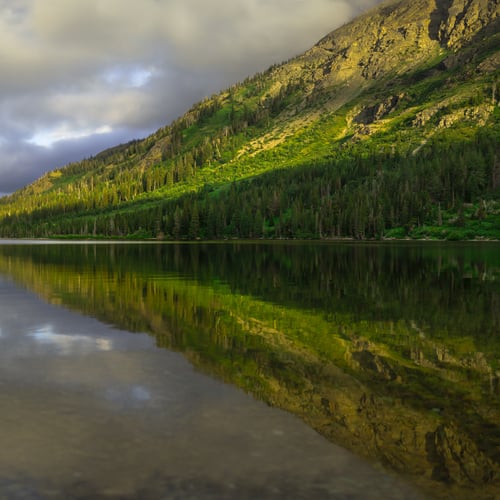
{"x":439,"y":15}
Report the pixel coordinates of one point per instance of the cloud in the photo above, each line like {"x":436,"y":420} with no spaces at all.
{"x":22,"y":161}
{"x":79,"y":74}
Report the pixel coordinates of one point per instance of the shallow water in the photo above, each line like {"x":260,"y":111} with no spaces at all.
{"x":390,"y":351}
{"x":89,"y":410}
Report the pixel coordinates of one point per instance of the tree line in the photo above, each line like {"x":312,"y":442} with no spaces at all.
{"x":359,"y":197}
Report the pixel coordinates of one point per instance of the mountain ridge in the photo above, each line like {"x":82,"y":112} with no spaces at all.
{"x":388,"y":82}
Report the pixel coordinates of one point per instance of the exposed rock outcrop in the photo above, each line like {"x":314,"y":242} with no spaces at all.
{"x":463,"y":19}
{"x":373,"y":113}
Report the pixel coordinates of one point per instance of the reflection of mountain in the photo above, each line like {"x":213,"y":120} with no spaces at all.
{"x":391,"y":351}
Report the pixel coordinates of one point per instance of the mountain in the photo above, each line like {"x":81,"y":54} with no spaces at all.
{"x":387,"y":127}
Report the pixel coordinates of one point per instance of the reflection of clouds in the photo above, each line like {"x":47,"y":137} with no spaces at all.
{"x":70,"y":344}
{"x":140,"y":393}
{"x":130,"y":396}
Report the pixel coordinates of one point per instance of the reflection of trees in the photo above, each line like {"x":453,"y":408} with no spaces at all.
{"x":432,"y":286}
{"x":388,"y":350}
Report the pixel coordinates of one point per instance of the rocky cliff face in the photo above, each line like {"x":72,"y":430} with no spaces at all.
{"x":389,"y":41}
{"x":387,"y":44}
{"x":458,"y":21}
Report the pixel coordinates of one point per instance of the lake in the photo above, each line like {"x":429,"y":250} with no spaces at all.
{"x":250,"y":370}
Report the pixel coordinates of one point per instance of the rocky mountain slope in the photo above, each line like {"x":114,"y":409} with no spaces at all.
{"x":387,"y":127}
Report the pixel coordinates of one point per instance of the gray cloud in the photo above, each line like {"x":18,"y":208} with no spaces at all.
{"x":22,"y":162}
{"x":82,"y":75}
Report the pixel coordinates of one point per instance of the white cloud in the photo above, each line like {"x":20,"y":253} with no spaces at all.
{"x":63,"y":132}
{"x":126,"y":77}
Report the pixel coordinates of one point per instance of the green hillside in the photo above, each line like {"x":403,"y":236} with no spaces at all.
{"x":388,"y":127}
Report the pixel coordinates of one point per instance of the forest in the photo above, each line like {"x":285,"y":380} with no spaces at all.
{"x":448,"y":191}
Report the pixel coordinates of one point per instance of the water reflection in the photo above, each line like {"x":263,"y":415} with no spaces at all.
{"x":69,"y":344}
{"x":135,"y":396}
{"x":389,"y":350}
{"x":140,"y":422}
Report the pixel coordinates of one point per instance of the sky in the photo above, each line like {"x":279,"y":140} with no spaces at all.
{"x":79,"y":76}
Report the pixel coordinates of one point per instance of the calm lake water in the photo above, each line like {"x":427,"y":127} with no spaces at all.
{"x":249,"y":370}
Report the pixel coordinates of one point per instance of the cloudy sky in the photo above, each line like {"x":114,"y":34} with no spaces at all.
{"x":77,"y":76}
